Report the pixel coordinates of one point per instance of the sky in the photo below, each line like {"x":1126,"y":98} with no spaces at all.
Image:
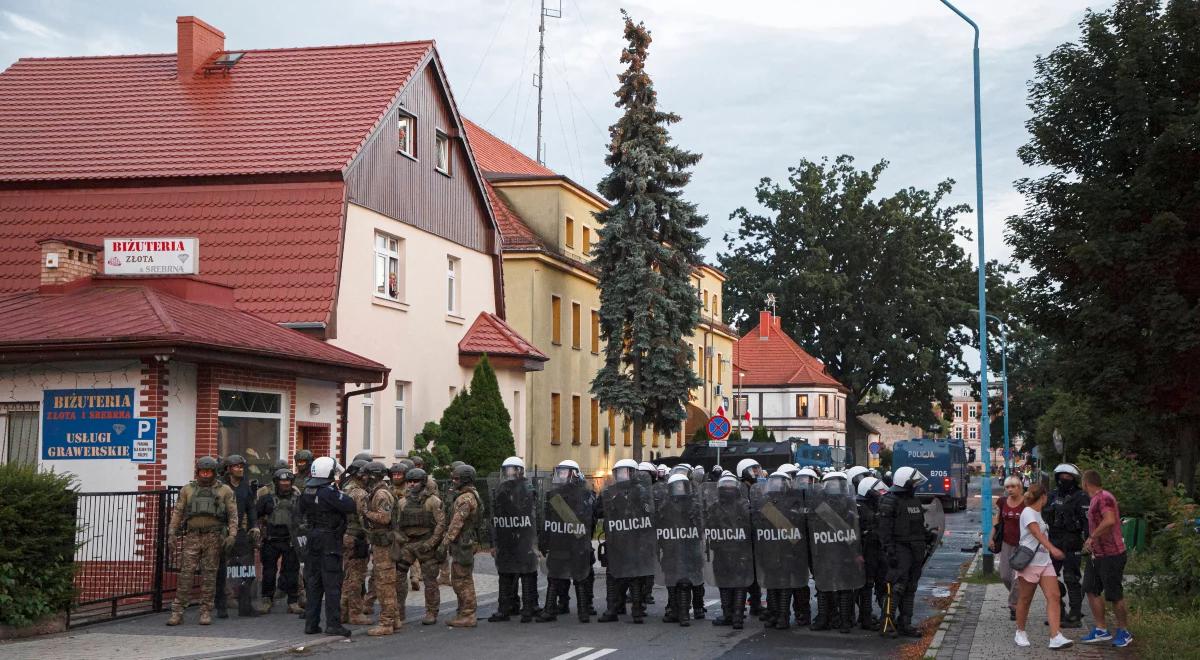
{"x":759,"y":84}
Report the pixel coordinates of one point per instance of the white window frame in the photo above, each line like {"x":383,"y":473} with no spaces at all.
{"x":453,"y":285}
{"x":401,"y":409}
{"x":408,"y":149}
{"x":971,"y":411}
{"x":383,"y":256}
{"x":368,"y":436}
{"x":441,"y":146}
{"x":972,"y":434}
{"x":281,"y":441}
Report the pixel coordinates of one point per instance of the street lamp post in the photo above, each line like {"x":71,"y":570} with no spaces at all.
{"x":1004,"y":376}
{"x":985,"y":520}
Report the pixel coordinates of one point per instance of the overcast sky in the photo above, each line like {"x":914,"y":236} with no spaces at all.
{"x":759,"y":83}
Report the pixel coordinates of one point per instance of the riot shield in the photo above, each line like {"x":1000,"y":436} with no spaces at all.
{"x":566,"y":537}
{"x":513,"y":514}
{"x":935,"y":525}
{"x":780,"y":548}
{"x":241,"y":574}
{"x":728,"y":534}
{"x":679,"y":525}
{"x":629,"y":528}
{"x":834,"y":539}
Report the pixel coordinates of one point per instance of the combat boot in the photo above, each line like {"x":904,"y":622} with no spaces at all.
{"x":684,"y":595}
{"x":824,"y":607}
{"x":205,"y":617}
{"x":295,"y":608}
{"x":430,"y":617}
{"x":738,"y":615}
{"x":380,"y":630}
{"x":802,"y":603}
{"x":866,"y":619}
{"x":669,"y":615}
{"x":726,"y":616}
{"x":265,"y":605}
{"x":360,"y":619}
{"x":581,"y":608}
{"x":783,"y":605}
{"x":529,"y":597}
{"x":698,"y":609}
{"x":648,"y":590}
{"x":846,"y":607}
{"x":462,"y":621}
{"x":637,"y":605}
{"x":610,"y":602}
{"x":175,"y":619}
{"x":755,"y":601}
{"x":503,"y":599}
{"x":340,"y":631}
{"x":904,"y":623}
{"x":550,"y":611}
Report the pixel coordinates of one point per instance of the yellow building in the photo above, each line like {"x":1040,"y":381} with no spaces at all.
{"x":548,"y":226}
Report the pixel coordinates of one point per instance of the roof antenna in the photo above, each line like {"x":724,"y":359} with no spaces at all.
{"x":537,"y":82}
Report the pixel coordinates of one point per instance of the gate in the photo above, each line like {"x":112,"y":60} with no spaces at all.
{"x":124,"y":565}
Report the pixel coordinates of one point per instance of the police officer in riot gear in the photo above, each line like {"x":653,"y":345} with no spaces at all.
{"x":323,"y":512}
{"x":303,"y":461}
{"x":870,"y":490}
{"x":1066,"y":517}
{"x":806,"y":481}
{"x":629,"y":534}
{"x":514,"y":537}
{"x":233,"y":474}
{"x":904,"y":539}
{"x":278,"y":517}
{"x":569,"y":513}
{"x":749,"y":472}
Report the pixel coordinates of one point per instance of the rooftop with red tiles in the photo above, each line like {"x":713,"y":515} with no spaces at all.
{"x":495,"y":156}
{"x":769,"y":357}
{"x":490,"y":334}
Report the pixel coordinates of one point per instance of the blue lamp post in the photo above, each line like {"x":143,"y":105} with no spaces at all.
{"x":1004,"y":376}
{"x":986,"y":519}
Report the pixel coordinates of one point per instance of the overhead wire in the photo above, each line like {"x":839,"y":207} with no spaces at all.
{"x":483,"y":59}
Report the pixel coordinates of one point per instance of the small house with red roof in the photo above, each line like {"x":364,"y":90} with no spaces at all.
{"x":331,"y":191}
{"x":785,"y":389}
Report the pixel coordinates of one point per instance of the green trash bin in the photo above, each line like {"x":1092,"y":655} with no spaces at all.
{"x":1143,"y":529}
{"x":1133,"y":531}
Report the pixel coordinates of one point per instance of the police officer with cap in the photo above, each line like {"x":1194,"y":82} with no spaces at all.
{"x":323,"y":512}
{"x":1066,"y":517}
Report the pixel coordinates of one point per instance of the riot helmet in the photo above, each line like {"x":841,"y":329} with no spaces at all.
{"x":698,"y":474}
{"x":321,"y":471}
{"x":680,"y":468}
{"x":679,"y":485}
{"x":662,"y":470}
{"x":778,"y":482}
{"x":728,"y":489}
{"x":566,"y":472}
{"x":624,"y":470}
{"x":791,"y":469}
{"x":806,"y":477}
{"x":512,"y":468}
{"x":871,"y":487}
{"x":303,"y":460}
{"x":283,"y":479}
{"x":836,"y":483}
{"x":748,"y":469}
{"x":374,"y":471}
{"x":463,"y":475}
{"x":1066,"y":477}
{"x":887,"y":478}
{"x":908,"y":478}
{"x":856,"y":474}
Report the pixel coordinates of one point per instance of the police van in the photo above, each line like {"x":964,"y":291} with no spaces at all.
{"x":944,"y":462}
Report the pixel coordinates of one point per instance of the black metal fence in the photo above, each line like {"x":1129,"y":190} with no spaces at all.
{"x":124,"y":564}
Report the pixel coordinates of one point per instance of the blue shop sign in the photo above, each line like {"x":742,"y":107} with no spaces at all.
{"x":92,"y":424}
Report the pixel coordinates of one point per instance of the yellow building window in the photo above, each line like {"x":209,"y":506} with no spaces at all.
{"x":716,"y":311}
{"x":595,"y":332}
{"x":575,"y":326}
{"x":654,"y":439}
{"x":802,"y":405}
{"x":555,"y":418}
{"x":612,"y":426}
{"x":706,"y":299}
{"x":823,"y":406}
{"x":700,"y":361}
{"x":587,"y":241}
{"x":720,"y":370}
{"x":570,"y":232}
{"x":575,"y":419}
{"x":594,"y":421}
{"x":627,"y":432}
{"x":556,"y":319}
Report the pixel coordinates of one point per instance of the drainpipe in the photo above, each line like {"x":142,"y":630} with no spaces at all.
{"x":346,"y":414}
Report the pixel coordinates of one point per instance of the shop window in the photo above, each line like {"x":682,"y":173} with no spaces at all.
{"x":575,"y":329}
{"x":442,"y":144}
{"x":251,"y":425}
{"x":802,"y":405}
{"x":20,"y":435}
{"x":389,"y":267}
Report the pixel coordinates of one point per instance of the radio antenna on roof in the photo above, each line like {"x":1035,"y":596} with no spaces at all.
{"x":551,"y":13}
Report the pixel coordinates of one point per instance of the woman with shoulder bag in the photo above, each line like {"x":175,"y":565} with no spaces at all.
{"x":1032,"y":561}
{"x":1006,"y":536}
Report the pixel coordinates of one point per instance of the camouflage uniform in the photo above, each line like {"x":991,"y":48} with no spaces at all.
{"x":378,"y":522}
{"x":355,"y":552}
{"x":421,"y":523}
{"x":205,"y":516}
{"x":461,"y":541}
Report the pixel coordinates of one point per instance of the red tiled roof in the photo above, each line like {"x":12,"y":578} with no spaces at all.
{"x":278,"y":243}
{"x":490,"y":334}
{"x":277,"y":111}
{"x":495,"y":156}
{"x":514,"y":233}
{"x":778,"y":360}
{"x":115,"y":314}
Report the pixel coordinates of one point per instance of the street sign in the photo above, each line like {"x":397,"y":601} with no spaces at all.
{"x":718,"y":444}
{"x":718,"y":427}
{"x":82,"y":424}
{"x":874,"y":448}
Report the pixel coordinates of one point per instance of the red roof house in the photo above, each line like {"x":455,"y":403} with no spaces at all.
{"x":769,"y":357}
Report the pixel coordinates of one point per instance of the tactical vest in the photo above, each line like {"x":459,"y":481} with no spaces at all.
{"x":204,"y":503}
{"x":472,"y":520}
{"x":353,"y":521}
{"x":282,"y":516}
{"x":376,"y":534}
{"x":413,"y":517}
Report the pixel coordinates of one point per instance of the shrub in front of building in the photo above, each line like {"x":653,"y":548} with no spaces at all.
{"x":488,"y":438}
{"x":37,"y":543}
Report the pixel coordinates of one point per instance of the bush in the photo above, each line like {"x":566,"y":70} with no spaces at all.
{"x":1137,"y":487}
{"x":429,"y":446}
{"x":885,"y":459}
{"x":700,"y":437}
{"x":1168,"y":571}
{"x":37,"y":552}
{"x":487,"y":435}
{"x":761,"y":434}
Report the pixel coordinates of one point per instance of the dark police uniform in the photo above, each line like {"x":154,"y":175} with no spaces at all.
{"x":1066,"y":518}
{"x":247,"y":520}
{"x":324,"y":510}
{"x":903,"y":537}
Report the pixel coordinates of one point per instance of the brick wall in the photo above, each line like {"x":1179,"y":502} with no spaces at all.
{"x":211,"y":378}
{"x":319,"y":435}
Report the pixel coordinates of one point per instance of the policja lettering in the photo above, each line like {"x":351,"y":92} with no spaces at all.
{"x":557,"y":527}
{"x":788,"y":534}
{"x":512,"y":522}
{"x":838,"y":536}
{"x":678,"y":534}
{"x":630,"y":524}
{"x":738,"y":534}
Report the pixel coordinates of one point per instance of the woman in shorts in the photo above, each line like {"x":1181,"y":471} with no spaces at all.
{"x":1039,"y":571}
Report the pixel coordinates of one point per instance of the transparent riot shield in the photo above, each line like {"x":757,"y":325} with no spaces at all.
{"x":728,"y":536}
{"x":679,"y":526}
{"x":629,"y":528}
{"x":514,"y":512}
{"x":835,"y":544}
{"x":566,"y":536}
{"x":780,"y":547}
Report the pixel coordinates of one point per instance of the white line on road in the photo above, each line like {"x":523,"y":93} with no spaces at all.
{"x":572,"y":654}
{"x":712,"y":602}
{"x":598,"y":654}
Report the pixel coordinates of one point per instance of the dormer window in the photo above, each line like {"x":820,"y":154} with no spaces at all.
{"x":442,"y":144}
{"x":406,"y":134}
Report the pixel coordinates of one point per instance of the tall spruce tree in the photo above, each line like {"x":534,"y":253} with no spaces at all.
{"x":648,"y":249}
{"x":1112,"y":229}
{"x":487,"y":438}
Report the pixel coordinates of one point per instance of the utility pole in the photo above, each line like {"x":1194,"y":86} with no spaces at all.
{"x":552,"y":13}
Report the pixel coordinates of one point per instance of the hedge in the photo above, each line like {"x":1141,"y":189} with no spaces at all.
{"x":37,"y":554}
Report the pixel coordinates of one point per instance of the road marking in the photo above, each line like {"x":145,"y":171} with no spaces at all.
{"x":598,"y":654}
{"x":712,"y":602}
{"x":572,"y":654}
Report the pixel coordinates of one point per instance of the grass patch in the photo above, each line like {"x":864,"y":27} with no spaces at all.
{"x":980,"y":578}
{"x":1163,"y":633}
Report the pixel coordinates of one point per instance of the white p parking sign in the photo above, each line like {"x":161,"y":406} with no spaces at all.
{"x":143,"y":447}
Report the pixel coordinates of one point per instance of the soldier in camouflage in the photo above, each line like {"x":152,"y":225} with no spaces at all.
{"x":206,"y":516}
{"x":355,"y":549}
{"x":279,"y":520}
{"x":420,"y":524}
{"x":397,"y":471}
{"x":460,"y":542}
{"x":377,"y":519}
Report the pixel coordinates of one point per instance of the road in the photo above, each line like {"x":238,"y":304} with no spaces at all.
{"x":567,"y":639}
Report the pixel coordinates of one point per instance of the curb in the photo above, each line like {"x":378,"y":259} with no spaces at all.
{"x":279,"y":649}
{"x":951,"y":612}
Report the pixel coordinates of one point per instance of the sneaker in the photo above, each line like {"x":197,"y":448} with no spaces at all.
{"x":1060,"y":642}
{"x":1097,"y":635}
{"x":1122,"y":639}
{"x":1021,"y":639}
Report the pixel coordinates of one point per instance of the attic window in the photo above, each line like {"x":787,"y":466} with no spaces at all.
{"x":406,"y":128}
{"x":442,"y":142}
{"x":223,"y":63}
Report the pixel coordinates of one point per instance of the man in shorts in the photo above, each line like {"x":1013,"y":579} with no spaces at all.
{"x":1107,"y":569}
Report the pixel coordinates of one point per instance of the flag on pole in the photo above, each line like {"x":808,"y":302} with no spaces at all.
{"x":720,"y":411}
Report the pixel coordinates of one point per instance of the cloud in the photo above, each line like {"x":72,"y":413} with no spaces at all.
{"x":31,"y":27}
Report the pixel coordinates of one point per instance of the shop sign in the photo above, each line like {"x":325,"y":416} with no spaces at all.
{"x":151,"y":256}
{"x":82,"y":424}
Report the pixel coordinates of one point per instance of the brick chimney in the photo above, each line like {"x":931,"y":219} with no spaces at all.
{"x":198,"y":41}
{"x":764,"y":325}
{"x":65,"y":260}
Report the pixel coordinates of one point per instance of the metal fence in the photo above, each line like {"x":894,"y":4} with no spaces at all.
{"x":124,"y":565}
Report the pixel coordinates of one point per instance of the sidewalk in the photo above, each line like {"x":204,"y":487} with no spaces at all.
{"x":977,"y":627}
{"x":149,"y":638}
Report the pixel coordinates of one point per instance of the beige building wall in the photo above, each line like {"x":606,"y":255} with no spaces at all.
{"x":416,"y":336}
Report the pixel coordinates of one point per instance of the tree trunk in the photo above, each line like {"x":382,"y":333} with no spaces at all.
{"x":638,"y":428}
{"x":1186,"y":454}
{"x":856,"y":440}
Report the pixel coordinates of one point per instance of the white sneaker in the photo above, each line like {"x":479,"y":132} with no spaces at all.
{"x":1021,"y":638}
{"x":1059,"y":642}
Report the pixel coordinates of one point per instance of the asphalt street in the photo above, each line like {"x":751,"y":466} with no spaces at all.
{"x":567,"y":639}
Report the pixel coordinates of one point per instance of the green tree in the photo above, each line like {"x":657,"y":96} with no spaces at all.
{"x":761,"y":434}
{"x":453,"y":425}
{"x":487,"y":439}
{"x":429,"y":446}
{"x":648,"y":248}
{"x":1111,"y":231}
{"x":878,"y":289}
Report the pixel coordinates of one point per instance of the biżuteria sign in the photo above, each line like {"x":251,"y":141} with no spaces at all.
{"x":81,"y":424}
{"x":151,"y":256}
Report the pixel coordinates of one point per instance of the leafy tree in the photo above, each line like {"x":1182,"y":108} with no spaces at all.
{"x":648,"y":248}
{"x":1112,"y":229}
{"x":878,"y":289}
{"x":487,"y":439}
{"x":453,"y":425}
{"x":885,"y":459}
{"x":429,"y":446}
